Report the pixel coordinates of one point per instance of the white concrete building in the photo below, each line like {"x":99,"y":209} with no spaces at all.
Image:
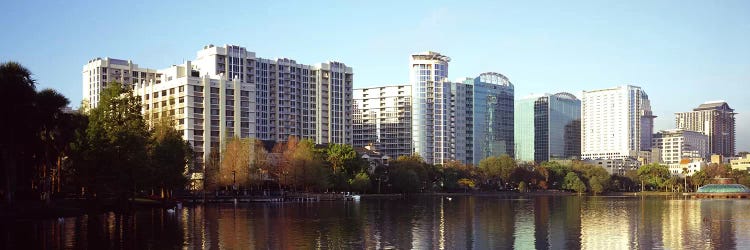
{"x":98,"y":72}
{"x":382,"y":117}
{"x":687,"y":167}
{"x":616,"y":123}
{"x":676,"y":144}
{"x":207,"y":109}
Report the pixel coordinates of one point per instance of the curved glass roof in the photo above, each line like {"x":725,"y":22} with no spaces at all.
{"x":724,"y":188}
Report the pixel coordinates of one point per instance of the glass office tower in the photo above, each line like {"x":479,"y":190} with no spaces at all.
{"x":548,"y":127}
{"x":493,"y":116}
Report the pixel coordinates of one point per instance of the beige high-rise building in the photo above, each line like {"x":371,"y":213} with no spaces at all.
{"x":715,"y":119}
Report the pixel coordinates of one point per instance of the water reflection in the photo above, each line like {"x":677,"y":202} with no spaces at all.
{"x":426,"y":222}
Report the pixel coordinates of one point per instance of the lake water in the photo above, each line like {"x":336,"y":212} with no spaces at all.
{"x":421,"y":222}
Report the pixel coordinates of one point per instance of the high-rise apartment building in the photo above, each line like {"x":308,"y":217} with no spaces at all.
{"x":548,"y":127}
{"x":676,"y":144}
{"x":382,"y":116}
{"x":617,"y":123}
{"x":493,"y":116}
{"x":98,"y":72}
{"x":307,"y":101}
{"x":715,"y":119}
{"x":228,"y":91}
{"x":207,"y":109}
{"x":428,"y":76}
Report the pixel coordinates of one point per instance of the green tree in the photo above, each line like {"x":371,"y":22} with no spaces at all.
{"x":361,"y":182}
{"x":633,"y":178}
{"x":425,"y":173}
{"x":699,"y":179}
{"x":557,"y":173}
{"x":307,"y":169}
{"x":653,"y":175}
{"x":118,"y":139}
{"x":590,"y":172}
{"x":169,"y":154}
{"x":56,"y":131}
{"x":573,"y":182}
{"x":403,"y":180}
{"x":17,"y":91}
{"x":672,"y":183}
{"x":338,"y":154}
{"x":450,"y":174}
{"x":497,"y":169}
{"x":596,"y":185}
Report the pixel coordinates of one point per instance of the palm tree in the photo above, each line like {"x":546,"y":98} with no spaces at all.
{"x":56,"y":131}
{"x":17,"y":90}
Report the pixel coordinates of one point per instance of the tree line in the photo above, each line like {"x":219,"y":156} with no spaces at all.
{"x":108,"y":152}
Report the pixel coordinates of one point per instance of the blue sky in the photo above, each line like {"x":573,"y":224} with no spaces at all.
{"x":682,"y":53}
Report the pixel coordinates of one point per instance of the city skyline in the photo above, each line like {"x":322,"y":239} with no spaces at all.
{"x":666,"y":48}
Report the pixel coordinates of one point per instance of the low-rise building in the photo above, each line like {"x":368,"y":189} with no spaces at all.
{"x":374,"y":157}
{"x":687,"y":167}
{"x":741,"y":163}
{"x":677,"y":144}
{"x":616,"y":166}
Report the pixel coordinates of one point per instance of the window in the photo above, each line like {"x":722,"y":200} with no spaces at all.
{"x":171,"y":91}
{"x":229,"y":92}
{"x":197,"y":132}
{"x":181,"y":121}
{"x":156,"y":94}
{"x":146,"y":97}
{"x":214,"y":90}
{"x":198,"y":88}
{"x":214,"y":112}
{"x":164,"y":92}
{"x":182,"y":89}
{"x":198,"y":110}
{"x":245,"y":93}
{"x":182,"y":99}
